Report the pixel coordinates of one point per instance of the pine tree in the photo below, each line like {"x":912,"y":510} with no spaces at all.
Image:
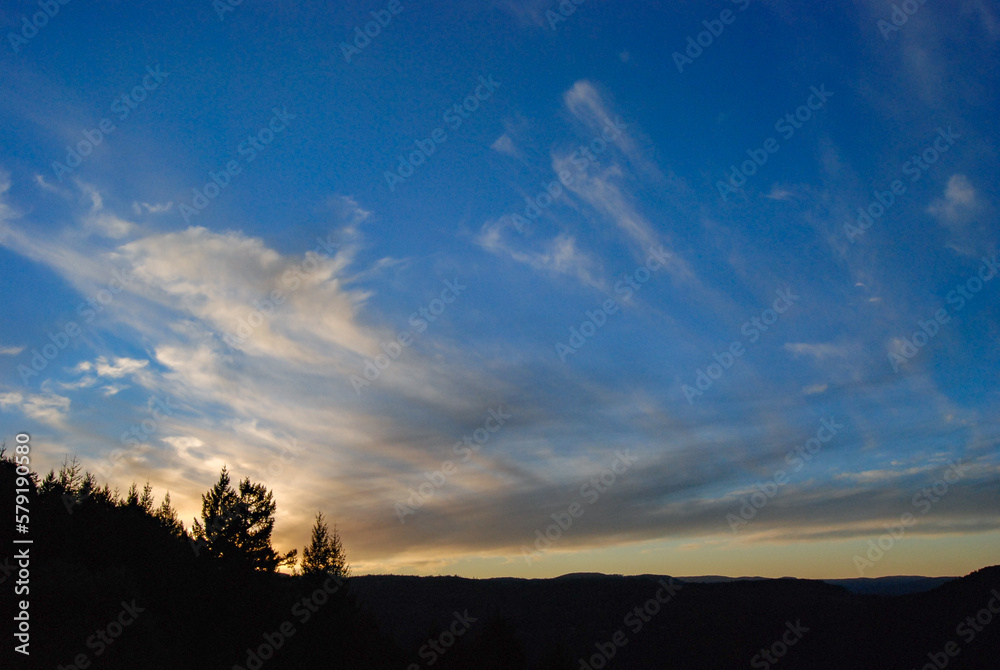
{"x":167,"y":515}
{"x":325,"y":553}
{"x":143,"y":500}
{"x":237,"y":527}
{"x":218,"y":528}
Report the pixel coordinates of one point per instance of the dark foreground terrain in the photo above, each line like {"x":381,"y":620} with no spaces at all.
{"x":556,"y":623}
{"x":112,"y":586}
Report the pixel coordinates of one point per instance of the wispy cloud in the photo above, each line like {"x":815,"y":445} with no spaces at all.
{"x":48,"y":408}
{"x":818,"y":351}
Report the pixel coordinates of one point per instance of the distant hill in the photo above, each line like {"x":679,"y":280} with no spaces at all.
{"x":890,"y":586}
{"x":718,"y":622}
{"x":876,"y":586}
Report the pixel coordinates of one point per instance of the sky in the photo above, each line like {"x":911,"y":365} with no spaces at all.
{"x":518,"y":287}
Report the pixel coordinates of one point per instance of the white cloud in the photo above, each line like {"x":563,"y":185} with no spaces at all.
{"x":558,"y":255}
{"x":505,"y":145}
{"x":82,"y":383}
{"x":585,"y":103}
{"x":40,"y":180}
{"x":119,"y":368}
{"x":99,"y":221}
{"x":222,"y":279}
{"x":819,"y":351}
{"x":140,"y":207}
{"x":780,"y":193}
{"x":959,"y":205}
{"x":47,"y":408}
{"x":10,"y":351}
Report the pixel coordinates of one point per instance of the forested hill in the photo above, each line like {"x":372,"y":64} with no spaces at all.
{"x":703,"y":625}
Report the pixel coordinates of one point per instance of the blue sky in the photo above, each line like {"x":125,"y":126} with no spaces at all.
{"x":440,"y":280}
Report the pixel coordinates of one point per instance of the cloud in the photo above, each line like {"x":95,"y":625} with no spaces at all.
{"x":527,"y":12}
{"x":558,"y":255}
{"x":40,"y":180}
{"x":959,"y":205}
{"x":139,"y":208}
{"x":6,"y":212}
{"x":119,"y":368}
{"x":780,"y":193}
{"x":505,"y":145}
{"x":231,"y":283}
{"x":100,"y":221}
{"x":585,"y":103}
{"x":10,"y":351}
{"x":818,"y":351}
{"x":82,"y":383}
{"x":47,"y":408}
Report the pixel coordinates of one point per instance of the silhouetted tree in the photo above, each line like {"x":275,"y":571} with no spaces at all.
{"x":237,"y":526}
{"x":167,"y":515}
{"x":143,"y":501}
{"x":325,"y":553}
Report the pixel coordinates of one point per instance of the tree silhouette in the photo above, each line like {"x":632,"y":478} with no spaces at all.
{"x":325,"y":553}
{"x":142,"y":500}
{"x":167,"y":515}
{"x":237,"y":526}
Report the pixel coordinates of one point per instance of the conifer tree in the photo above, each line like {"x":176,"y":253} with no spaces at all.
{"x":167,"y":515}
{"x":237,"y":526}
{"x":325,"y":553}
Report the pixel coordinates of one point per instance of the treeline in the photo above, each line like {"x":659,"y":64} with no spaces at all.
{"x":191,"y":599}
{"x":117,"y":581}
